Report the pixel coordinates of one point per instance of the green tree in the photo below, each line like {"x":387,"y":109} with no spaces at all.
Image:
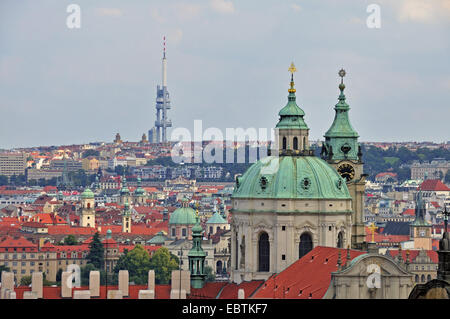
{"x":45,"y":281}
{"x":70,"y":240}
{"x":25,"y":281}
{"x":209,"y":274}
{"x":90,"y":153}
{"x":137,"y":262}
{"x":96,"y":252}
{"x":59,"y":276}
{"x":163,"y":262}
{"x":84,"y":273}
{"x":447,"y":177}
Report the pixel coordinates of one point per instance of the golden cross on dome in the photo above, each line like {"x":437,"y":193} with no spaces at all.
{"x":372,"y":227}
{"x":292,"y":68}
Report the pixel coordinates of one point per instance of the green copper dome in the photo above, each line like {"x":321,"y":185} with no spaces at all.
{"x":291,"y":177}
{"x":124,"y":190}
{"x":197,"y":228}
{"x":216,"y":219}
{"x":87,"y":194}
{"x":183,"y":215}
{"x":139,"y":190}
{"x":291,"y":116}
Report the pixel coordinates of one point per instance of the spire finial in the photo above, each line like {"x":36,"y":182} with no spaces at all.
{"x":342,"y":73}
{"x":164,"y":47}
{"x":292,"y":69}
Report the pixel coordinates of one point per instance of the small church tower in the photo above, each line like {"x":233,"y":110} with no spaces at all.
{"x":197,"y":257}
{"x":420,"y":230}
{"x":87,"y":209}
{"x":126,"y":219}
{"x":125,"y":196}
{"x":342,"y":150}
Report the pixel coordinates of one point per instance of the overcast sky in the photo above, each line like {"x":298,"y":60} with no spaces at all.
{"x":227,"y":65}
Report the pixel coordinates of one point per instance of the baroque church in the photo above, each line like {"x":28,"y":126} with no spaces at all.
{"x":291,"y":201}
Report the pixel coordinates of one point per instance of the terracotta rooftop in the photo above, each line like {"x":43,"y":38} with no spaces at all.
{"x":308,"y":277}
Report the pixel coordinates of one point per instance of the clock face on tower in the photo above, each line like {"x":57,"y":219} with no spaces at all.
{"x":346,"y":171}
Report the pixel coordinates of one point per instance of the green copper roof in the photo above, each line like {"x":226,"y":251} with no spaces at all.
{"x":197,"y":250}
{"x":87,"y":194}
{"x":183,"y":215}
{"x":126,"y":210}
{"x":296,"y":177}
{"x":158,"y":239}
{"x":124,"y":190}
{"x":341,"y":126}
{"x":216,"y":218}
{"x":139,"y":190}
{"x":291,"y":116}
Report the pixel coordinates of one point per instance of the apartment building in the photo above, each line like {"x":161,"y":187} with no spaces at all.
{"x":13,"y":164}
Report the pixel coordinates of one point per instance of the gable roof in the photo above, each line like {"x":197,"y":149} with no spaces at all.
{"x":433,"y":185}
{"x":307,"y":278}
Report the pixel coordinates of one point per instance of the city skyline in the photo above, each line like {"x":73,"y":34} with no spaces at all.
{"x":65,"y":86}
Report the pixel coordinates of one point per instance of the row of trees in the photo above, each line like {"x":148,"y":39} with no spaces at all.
{"x":137,"y":261}
{"x":377,"y":160}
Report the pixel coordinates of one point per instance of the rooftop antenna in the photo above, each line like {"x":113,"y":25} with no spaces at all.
{"x":164,"y":64}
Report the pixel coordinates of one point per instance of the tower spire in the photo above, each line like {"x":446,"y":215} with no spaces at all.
{"x":164,"y":64}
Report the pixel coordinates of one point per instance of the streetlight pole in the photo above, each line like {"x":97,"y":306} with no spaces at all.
{"x":181,"y":261}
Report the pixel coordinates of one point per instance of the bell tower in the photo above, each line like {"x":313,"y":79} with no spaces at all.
{"x":291,"y":131}
{"x":342,"y":150}
{"x":126,"y":219}
{"x":87,"y":209}
{"x":197,"y":257}
{"x":420,"y":230}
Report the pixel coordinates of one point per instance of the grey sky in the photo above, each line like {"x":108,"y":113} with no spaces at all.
{"x":227,"y":65}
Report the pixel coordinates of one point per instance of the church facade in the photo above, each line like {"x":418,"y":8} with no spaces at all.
{"x":289,"y":202}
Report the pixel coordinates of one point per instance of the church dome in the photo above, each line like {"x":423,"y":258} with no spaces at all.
{"x":87,"y":194}
{"x":291,"y":177}
{"x":183,"y":216}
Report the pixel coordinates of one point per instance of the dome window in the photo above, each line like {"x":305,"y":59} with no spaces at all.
{"x":263,"y":182}
{"x":339,"y":183}
{"x":306,"y":183}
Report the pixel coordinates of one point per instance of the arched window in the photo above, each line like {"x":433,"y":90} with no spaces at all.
{"x":284,"y":143}
{"x":210,"y":229}
{"x":295,"y":143}
{"x":183,"y":232}
{"x":340,"y":241}
{"x":219,"y":267}
{"x":236,"y":253}
{"x":88,"y":205}
{"x":263,"y":252}
{"x":417,"y":278}
{"x":428,"y":277}
{"x":304,"y":142}
{"x":422,"y":278}
{"x":305,"y":245}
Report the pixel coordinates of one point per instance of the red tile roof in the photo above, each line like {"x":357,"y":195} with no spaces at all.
{"x":48,"y":219}
{"x":410,"y":212}
{"x":433,"y":185}
{"x":231,"y":290}
{"x":383,"y":238}
{"x":308,"y":277}
{"x":67,"y":230}
{"x":209,"y":291}
{"x":9,"y":242}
